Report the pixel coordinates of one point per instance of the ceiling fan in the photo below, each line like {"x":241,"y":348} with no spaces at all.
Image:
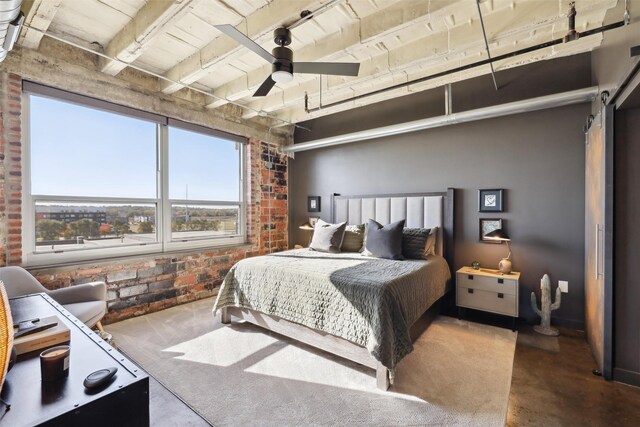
{"x":282,"y":59}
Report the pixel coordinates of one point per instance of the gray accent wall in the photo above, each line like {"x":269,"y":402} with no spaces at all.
{"x":538,"y":158}
{"x":627,"y":252}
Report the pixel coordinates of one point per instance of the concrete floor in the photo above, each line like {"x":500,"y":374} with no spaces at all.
{"x":166,"y":410}
{"x":552,"y":385}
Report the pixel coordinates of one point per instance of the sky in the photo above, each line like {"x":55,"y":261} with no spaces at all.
{"x":79,"y":151}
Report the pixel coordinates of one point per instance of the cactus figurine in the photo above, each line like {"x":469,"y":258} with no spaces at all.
{"x":546,"y":307}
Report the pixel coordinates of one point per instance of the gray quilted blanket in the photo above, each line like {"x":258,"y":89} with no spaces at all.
{"x":369,"y":301}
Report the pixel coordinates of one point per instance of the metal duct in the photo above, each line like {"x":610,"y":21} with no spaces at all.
{"x":533,"y":104}
{"x":9,"y":11}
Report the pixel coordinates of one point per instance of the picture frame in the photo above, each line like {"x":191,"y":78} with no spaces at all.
{"x":313,"y":220}
{"x":313,"y":204}
{"x":486,"y":226}
{"x":491,"y":200}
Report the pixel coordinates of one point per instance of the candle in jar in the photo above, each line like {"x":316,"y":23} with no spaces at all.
{"x":54,"y":363}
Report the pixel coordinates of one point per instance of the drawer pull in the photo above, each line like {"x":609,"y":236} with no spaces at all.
{"x":500,"y":295}
{"x":500,"y":280}
{"x":470,"y":291}
{"x":470,"y":276}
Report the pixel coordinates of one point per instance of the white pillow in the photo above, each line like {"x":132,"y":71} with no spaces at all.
{"x":327,"y":237}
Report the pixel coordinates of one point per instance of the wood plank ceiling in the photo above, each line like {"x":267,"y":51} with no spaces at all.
{"x":395,"y":42}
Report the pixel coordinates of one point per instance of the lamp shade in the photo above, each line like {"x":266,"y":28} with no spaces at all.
{"x":6,"y":334}
{"x":498,"y":234}
{"x":306,"y":226}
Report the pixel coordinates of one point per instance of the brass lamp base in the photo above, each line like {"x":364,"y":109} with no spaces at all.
{"x":505,"y":266}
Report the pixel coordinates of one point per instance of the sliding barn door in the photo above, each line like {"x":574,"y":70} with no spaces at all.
{"x":598,"y":239}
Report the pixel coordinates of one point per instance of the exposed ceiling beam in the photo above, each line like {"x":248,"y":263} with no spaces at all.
{"x":391,"y":19}
{"x":295,"y":111}
{"x":153,"y":19}
{"x":262,"y":21}
{"x":38,"y":14}
{"x":429,"y":51}
{"x":421,"y":55}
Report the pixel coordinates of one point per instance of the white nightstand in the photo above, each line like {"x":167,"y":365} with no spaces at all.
{"x":488,"y":290}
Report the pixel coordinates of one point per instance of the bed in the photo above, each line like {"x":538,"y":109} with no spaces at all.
{"x":357,"y":307}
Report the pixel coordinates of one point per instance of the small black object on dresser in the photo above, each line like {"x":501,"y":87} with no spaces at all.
{"x":99,"y":378}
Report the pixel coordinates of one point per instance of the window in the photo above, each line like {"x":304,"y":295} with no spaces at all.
{"x":204,"y":185}
{"x":103,"y":180}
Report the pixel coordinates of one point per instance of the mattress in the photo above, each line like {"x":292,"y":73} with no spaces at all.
{"x":369,"y":301}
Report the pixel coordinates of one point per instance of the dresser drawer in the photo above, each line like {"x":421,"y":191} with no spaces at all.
{"x":486,"y":283}
{"x":494,"y":302}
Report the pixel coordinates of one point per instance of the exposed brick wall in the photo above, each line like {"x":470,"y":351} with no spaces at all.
{"x":139,"y":285}
{"x":10,"y":169}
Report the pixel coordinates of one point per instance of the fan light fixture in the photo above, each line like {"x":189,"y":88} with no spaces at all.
{"x":281,"y":57}
{"x":282,"y":76}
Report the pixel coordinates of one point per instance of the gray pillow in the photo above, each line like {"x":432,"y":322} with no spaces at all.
{"x":384,"y":242}
{"x":414,"y":242}
{"x":353,"y":238}
{"x":327,"y":237}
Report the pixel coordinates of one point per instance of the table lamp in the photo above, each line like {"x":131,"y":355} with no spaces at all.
{"x":307,"y":227}
{"x":505,"y":263}
{"x":6,"y":338}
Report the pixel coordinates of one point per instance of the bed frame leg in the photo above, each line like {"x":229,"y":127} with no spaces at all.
{"x":382,"y":377}
{"x":225,"y":317}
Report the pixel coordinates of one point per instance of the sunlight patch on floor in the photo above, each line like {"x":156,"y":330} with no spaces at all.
{"x":222,"y":347}
{"x":294,"y":363}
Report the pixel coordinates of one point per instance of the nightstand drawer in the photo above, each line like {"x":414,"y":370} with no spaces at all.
{"x":493,"y":284}
{"x":494,"y":302}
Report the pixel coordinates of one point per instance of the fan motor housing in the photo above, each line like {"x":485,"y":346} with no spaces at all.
{"x":282,"y":37}
{"x":284,"y":59}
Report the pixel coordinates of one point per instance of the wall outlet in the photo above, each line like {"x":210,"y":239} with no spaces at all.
{"x":564,"y":286}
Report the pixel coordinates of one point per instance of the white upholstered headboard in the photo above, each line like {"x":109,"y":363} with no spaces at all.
{"x":420,"y":210}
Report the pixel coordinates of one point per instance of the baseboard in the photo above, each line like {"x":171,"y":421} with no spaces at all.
{"x":627,"y":377}
{"x":568,"y":323}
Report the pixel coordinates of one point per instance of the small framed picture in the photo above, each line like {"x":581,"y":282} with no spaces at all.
{"x":490,"y":200}
{"x":313,"y":220}
{"x":487,"y":225}
{"x":313,"y":204}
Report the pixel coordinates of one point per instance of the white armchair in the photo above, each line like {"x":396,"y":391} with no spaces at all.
{"x":87,"y":302}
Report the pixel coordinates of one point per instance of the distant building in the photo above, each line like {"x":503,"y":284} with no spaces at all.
{"x":70,"y":215}
{"x":141,"y":218}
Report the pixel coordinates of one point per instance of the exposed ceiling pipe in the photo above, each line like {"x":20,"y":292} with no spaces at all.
{"x":533,"y":104}
{"x":572,"y":34}
{"x":307,"y":14}
{"x":161,"y":77}
{"x":10,"y":22}
{"x":494,"y":59}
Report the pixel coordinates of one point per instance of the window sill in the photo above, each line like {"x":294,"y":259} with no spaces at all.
{"x":70,"y":265}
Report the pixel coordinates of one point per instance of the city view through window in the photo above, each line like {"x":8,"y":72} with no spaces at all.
{"x":69,"y":226}
{"x":80,"y":155}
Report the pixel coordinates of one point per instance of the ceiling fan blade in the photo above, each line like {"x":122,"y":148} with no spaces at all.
{"x":333,"y":68}
{"x":235,"y":34}
{"x":265,"y":87}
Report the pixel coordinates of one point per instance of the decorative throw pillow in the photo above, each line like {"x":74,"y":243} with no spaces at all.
{"x":327,"y":237}
{"x":432,"y":240}
{"x":353,"y":238}
{"x":414,"y":242}
{"x":384,"y":241}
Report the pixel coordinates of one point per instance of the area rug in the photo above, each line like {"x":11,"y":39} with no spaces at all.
{"x":459,"y":373}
